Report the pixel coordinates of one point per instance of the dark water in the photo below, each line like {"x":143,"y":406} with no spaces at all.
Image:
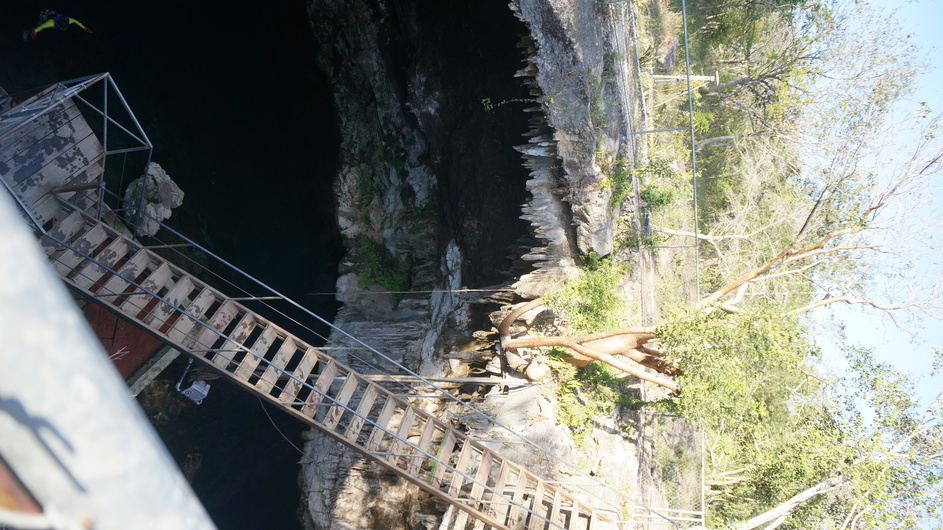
{"x":243,"y":122}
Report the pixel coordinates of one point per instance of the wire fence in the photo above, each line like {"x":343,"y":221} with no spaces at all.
{"x":671,"y":451}
{"x":671,"y":471}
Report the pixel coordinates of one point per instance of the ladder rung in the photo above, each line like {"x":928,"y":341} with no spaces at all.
{"x":256,"y":353}
{"x":367,"y":400}
{"x":464,"y":458}
{"x":307,"y":363}
{"x":383,"y":421}
{"x":177,"y":293}
{"x":238,"y":335}
{"x":423,"y":444}
{"x":185,"y":324}
{"x":343,"y":398}
{"x":322,"y":385}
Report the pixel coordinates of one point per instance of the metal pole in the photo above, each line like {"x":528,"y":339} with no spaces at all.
{"x":687,"y":67}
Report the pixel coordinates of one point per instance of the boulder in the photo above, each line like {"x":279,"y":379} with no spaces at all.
{"x":160,"y":195}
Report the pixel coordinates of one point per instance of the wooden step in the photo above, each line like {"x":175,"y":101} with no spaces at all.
{"x":443,"y":454}
{"x":343,"y":397}
{"x":154,"y":282}
{"x":516,"y":514}
{"x":378,"y":433}
{"x":91,"y":240}
{"x":402,"y":433}
{"x":482,"y":474}
{"x":184,"y":324}
{"x":175,"y":298}
{"x":267,"y":382}
{"x":234,"y":344}
{"x":63,"y":231}
{"x":364,"y":407}
{"x":322,"y":385}
{"x":537,"y":506}
{"x":555,"y":505}
{"x":498,"y":507}
{"x":299,"y":375}
{"x":117,"y":284}
{"x":464,"y":459}
{"x":415,"y":463}
{"x":89,"y":274}
{"x":218,"y":322}
{"x":257,"y":352}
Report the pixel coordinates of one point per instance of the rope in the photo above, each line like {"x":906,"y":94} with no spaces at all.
{"x":276,"y":427}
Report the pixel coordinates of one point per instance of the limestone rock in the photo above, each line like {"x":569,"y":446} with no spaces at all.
{"x":160,"y":195}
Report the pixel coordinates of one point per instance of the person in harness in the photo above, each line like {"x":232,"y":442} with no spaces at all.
{"x":50,"y":19}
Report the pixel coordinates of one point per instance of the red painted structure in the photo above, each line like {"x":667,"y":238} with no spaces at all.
{"x":127,"y":345}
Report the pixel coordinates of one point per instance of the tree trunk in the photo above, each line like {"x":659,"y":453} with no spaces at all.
{"x":779,"y":513}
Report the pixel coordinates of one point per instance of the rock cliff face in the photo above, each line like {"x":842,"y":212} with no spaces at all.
{"x":432,"y":100}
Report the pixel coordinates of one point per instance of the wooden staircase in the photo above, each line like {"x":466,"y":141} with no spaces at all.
{"x":307,"y":383}
{"x":46,"y":164}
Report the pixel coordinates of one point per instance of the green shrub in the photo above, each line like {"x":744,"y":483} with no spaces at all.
{"x":656,"y":197}
{"x":589,"y":303}
{"x":380,"y":266}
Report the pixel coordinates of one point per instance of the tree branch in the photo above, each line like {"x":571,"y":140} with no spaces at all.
{"x":779,"y":513}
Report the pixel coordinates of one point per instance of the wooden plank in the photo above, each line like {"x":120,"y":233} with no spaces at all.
{"x":47,"y":209}
{"x":383,"y":422}
{"x":58,"y":171}
{"x":575,"y":522}
{"x":517,"y":514}
{"x":499,"y":508}
{"x":402,"y":433}
{"x":343,"y":397}
{"x":86,"y":244}
{"x":481,"y":476}
{"x":555,"y":507}
{"x":537,"y":506}
{"x":178,"y":293}
{"x":89,"y":274}
{"x":272,"y":371}
{"x":194,"y":311}
{"x":443,"y":454}
{"x":300,"y":374}
{"x":231,"y":347}
{"x":423,"y":444}
{"x":118,"y":283}
{"x":367,"y":400}
{"x":218,"y":322}
{"x":47,"y":147}
{"x":321,"y":386}
{"x":461,"y":466}
{"x":256,"y":353}
{"x":37,"y":129}
{"x":68,"y":227}
{"x":154,"y":282}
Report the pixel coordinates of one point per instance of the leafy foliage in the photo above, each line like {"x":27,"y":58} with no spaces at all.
{"x":590,"y":303}
{"x":587,"y":394}
{"x":748,"y":381}
{"x":380,"y":266}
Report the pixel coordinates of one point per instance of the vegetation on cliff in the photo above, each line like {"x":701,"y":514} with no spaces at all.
{"x":808,"y":198}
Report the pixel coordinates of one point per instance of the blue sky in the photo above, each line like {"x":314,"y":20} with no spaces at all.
{"x":924,"y":21}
